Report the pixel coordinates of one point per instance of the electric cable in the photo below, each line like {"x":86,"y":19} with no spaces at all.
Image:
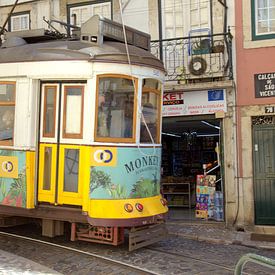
{"x":140,"y":113}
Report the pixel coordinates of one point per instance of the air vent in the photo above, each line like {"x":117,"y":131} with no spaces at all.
{"x":99,"y":29}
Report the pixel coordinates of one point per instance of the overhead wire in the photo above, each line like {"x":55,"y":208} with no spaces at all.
{"x":140,"y":113}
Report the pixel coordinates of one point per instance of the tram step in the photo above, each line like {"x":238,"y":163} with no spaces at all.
{"x":146,"y":235}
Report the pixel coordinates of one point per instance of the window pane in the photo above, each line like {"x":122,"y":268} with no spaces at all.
{"x":115,"y":108}
{"x":262,"y":27}
{"x":7,"y":92}
{"x":82,"y":14}
{"x":71,"y":170}
{"x":49,"y":112}
{"x":151,"y":83}
{"x":265,"y":14}
{"x":272,"y":25}
{"x":149,"y":127}
{"x":47,"y":168}
{"x":73,"y":112}
{"x":262,"y":14}
{"x":262,"y":3}
{"x":6,"y":123}
{"x":272,"y":14}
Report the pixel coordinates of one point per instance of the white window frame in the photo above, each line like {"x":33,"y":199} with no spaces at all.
{"x":20,"y":16}
{"x":77,"y":9}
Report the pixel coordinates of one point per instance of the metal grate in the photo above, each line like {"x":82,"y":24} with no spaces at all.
{"x":263,"y":120}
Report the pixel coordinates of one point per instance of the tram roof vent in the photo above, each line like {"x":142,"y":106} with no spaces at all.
{"x":99,"y":29}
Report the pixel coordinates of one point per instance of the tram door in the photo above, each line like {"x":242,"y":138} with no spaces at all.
{"x":61,"y":127}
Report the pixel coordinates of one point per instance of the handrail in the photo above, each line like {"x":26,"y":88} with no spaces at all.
{"x":261,"y":260}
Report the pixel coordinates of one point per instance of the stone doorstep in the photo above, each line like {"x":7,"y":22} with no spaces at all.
{"x":224,"y":241}
{"x":262,"y":237}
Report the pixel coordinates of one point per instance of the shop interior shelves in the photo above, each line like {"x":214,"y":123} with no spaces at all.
{"x":178,"y":194}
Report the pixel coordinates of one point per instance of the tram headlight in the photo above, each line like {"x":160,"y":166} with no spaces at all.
{"x":128,"y":207}
{"x":139,"y":207}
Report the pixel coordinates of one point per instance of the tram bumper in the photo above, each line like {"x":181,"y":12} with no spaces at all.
{"x":145,"y":235}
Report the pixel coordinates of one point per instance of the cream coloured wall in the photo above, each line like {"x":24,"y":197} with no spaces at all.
{"x":37,"y":10}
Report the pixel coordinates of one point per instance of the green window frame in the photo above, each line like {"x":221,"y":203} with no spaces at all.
{"x":263,"y":16}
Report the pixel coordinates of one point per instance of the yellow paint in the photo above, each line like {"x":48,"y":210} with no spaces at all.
{"x":47,"y":195}
{"x":86,"y":155}
{"x":105,"y":209}
{"x":30,"y":175}
{"x":8,"y":167}
{"x":103,"y":156}
{"x":65,"y":197}
{"x":114,"y":209}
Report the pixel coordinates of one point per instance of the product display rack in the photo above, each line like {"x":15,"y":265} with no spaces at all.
{"x":178,"y":194}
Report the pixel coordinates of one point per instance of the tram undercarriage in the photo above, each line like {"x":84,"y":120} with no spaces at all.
{"x":80,"y":230}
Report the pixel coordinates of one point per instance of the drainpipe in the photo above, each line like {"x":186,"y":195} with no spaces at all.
{"x":211,"y":22}
{"x":160,"y":30}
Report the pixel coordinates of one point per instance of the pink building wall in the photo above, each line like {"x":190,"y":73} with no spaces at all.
{"x":250,"y":62}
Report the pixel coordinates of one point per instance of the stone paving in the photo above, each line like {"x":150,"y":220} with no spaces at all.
{"x":11,"y":264}
{"x":190,"y":244}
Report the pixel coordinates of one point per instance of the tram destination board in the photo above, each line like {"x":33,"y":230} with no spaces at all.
{"x":264,"y":85}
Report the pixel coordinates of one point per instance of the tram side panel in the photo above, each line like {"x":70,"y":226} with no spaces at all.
{"x":18,"y":135}
{"x":124,"y":186}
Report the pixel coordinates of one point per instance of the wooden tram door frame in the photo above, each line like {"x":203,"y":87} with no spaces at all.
{"x":264,"y":173}
{"x":53,"y":154}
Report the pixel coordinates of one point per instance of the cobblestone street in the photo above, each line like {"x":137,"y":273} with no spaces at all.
{"x":175,"y":255}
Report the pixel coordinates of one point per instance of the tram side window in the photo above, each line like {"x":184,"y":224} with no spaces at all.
{"x":150,"y":118}
{"x":49,"y":111}
{"x":73,"y":114}
{"x":7,"y":110}
{"x":115,"y":108}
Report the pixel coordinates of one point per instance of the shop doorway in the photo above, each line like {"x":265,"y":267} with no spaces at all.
{"x":191,"y":167}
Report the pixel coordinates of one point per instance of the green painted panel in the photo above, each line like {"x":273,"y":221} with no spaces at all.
{"x":264,"y":173}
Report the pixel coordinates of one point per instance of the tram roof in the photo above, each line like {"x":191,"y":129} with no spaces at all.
{"x":98,"y":40}
{"x":77,"y":50}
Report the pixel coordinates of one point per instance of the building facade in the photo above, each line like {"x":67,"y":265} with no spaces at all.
{"x":255,"y":35}
{"x":199,"y":112}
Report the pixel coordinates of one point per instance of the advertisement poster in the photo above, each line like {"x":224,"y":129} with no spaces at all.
{"x":120,"y":173}
{"x":205,"y":196}
{"x":13,"y":178}
{"x":179,"y":103}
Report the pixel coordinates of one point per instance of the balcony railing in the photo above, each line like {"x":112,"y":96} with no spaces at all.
{"x":196,"y":58}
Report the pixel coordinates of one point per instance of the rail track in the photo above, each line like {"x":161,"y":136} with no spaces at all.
{"x":86,"y":258}
{"x":91,"y":261}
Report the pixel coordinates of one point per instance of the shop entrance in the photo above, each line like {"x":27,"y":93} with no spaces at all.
{"x":191,"y":167}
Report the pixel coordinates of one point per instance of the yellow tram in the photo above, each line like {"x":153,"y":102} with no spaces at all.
{"x":80,"y":123}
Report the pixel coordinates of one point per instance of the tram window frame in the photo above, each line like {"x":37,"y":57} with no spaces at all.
{"x":146,"y":96}
{"x":134,"y":118}
{"x":4,"y":103}
{"x":52,"y":133}
{"x":64,"y":124}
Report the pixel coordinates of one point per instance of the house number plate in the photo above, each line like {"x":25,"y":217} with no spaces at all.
{"x":270,"y":109}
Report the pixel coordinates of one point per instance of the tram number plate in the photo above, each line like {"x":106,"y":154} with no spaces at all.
{"x":270,"y":109}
